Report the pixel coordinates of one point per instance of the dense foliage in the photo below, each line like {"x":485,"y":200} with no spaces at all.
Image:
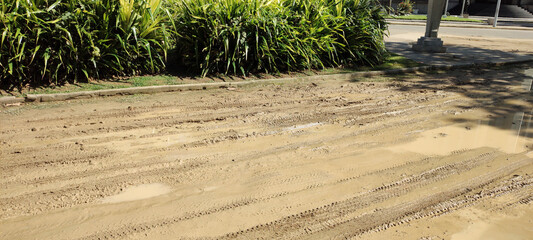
{"x":57,"y":41}
{"x":241,"y":36}
{"x":404,"y":8}
{"x":51,"y":41}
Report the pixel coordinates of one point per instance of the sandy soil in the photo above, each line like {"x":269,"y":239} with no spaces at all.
{"x":444,"y":156}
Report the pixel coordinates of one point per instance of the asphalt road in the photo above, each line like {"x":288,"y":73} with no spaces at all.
{"x":464,"y":45}
{"x":473,"y":32}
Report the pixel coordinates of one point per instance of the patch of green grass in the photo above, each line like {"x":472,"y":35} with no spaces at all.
{"x":143,"y":81}
{"x":139,"y":81}
{"x":424,"y":17}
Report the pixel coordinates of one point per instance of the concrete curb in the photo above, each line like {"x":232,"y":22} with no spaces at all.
{"x":204,"y":86}
{"x":11,"y":100}
{"x":462,"y":25}
{"x":198,"y":86}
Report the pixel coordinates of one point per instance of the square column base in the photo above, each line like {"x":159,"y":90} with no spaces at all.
{"x":429,"y":44}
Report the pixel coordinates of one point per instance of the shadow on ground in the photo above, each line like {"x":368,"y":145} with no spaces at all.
{"x":505,"y":93}
{"x":515,"y":24}
{"x":456,"y":55}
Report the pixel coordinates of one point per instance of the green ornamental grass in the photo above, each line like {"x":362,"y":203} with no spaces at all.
{"x":242,"y":36}
{"x":46,"y":42}
{"x":54,"y":41}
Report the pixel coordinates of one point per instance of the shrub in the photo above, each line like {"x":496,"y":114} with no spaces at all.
{"x":242,"y":36}
{"x":57,"y":41}
{"x":45,"y":42}
{"x":404,"y":8}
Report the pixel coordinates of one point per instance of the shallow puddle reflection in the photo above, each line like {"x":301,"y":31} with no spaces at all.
{"x":510,"y":134}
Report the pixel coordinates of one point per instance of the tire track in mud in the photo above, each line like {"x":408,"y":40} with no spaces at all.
{"x":184,"y":117}
{"x":328,"y":224}
{"x":471,"y":198}
{"x":74,"y":156}
{"x":365,"y":199}
{"x":95,"y":190}
{"x":112,"y":169}
{"x":89,"y":191}
{"x":79,"y":157}
{"x":134,"y":131}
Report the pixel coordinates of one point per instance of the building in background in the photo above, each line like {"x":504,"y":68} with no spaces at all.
{"x":509,"y":8}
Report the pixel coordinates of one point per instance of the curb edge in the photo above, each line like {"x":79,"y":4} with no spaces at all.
{"x":205,"y":86}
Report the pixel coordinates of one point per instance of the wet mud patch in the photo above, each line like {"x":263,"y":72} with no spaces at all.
{"x":381,"y":160}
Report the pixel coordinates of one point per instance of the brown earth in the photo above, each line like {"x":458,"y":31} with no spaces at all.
{"x":425,"y":156}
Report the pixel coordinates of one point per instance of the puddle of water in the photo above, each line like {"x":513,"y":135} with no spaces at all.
{"x":509,"y":134}
{"x":139,"y":192}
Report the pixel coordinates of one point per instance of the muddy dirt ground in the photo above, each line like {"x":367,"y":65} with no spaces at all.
{"x":421,"y":156}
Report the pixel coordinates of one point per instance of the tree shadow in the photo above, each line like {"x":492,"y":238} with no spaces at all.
{"x":457,"y":55}
{"x":504,"y":92}
{"x":515,"y":24}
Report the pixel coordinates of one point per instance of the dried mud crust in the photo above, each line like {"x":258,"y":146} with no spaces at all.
{"x":291,"y":161}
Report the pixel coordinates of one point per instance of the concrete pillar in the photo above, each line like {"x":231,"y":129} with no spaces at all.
{"x":430,"y":41}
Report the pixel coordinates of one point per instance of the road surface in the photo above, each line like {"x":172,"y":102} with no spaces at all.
{"x":463,"y":32}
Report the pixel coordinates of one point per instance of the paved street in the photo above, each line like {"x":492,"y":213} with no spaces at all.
{"x":470,"y":32}
{"x":464,"y":45}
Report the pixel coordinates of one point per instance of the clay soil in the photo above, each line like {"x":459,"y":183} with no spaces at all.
{"x":422,"y":156}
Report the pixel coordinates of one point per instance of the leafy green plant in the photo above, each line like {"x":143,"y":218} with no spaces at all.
{"x":56,"y":41}
{"x":404,"y":8}
{"x":44,"y":42}
{"x":243,"y":36}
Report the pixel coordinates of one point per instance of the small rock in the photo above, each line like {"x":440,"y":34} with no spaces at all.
{"x":33,"y":129}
